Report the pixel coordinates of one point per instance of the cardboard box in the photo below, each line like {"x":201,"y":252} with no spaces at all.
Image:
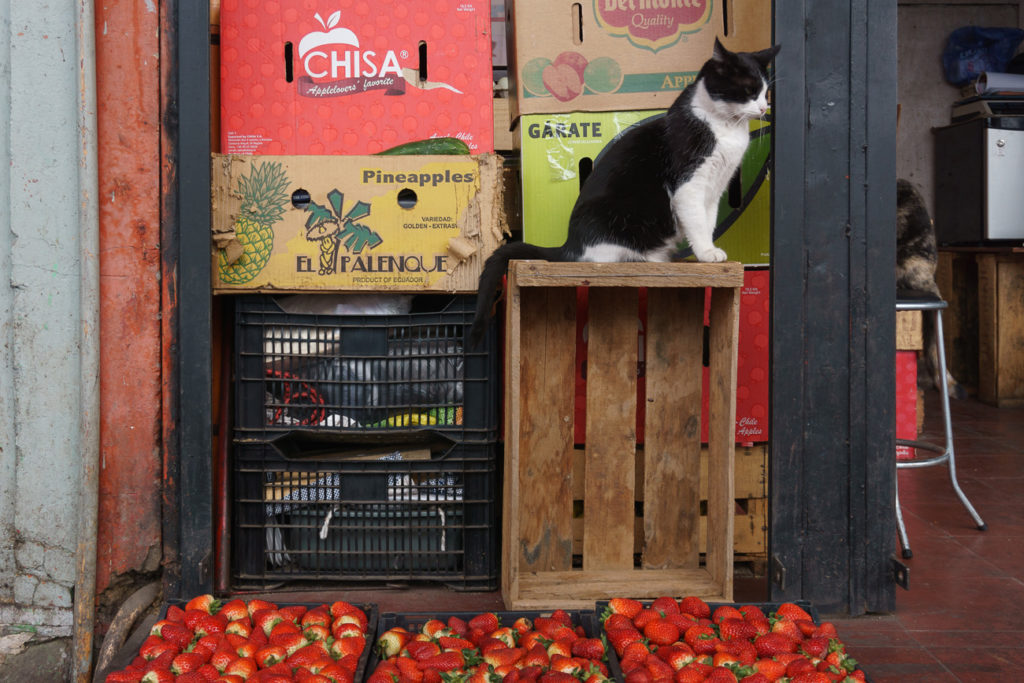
{"x":354,"y":223}
{"x":305,"y":77}
{"x":908,"y":410}
{"x":618,"y":55}
{"x":557,"y":151}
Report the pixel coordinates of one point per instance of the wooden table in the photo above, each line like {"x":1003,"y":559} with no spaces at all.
{"x":984,"y":325}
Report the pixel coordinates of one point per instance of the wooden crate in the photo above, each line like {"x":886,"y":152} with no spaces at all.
{"x":538,"y":569}
{"x":909,"y":333}
{"x":1001,"y":328}
{"x":750,"y":512}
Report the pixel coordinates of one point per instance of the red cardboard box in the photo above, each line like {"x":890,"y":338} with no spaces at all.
{"x":906,"y":401}
{"x":752,"y":394}
{"x":352,"y":76}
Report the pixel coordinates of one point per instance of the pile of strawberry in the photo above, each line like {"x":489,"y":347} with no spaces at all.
{"x":538,"y":649}
{"x":254,"y":641}
{"x":684,"y":641}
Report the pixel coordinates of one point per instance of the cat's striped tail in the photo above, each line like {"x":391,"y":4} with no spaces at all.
{"x":491,"y":280}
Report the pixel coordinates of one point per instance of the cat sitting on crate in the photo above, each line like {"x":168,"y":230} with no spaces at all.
{"x":660,"y":182}
{"x":916,"y":259}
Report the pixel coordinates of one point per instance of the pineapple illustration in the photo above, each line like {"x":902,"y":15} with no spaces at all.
{"x":264,"y":196}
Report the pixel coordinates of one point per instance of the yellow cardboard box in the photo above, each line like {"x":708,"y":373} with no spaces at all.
{"x":354,"y":223}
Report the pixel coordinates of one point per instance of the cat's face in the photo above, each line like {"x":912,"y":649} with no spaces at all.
{"x":737,"y":81}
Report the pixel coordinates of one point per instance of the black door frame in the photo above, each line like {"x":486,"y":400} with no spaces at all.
{"x":833,"y":304}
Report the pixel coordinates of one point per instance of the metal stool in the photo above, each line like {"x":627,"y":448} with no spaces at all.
{"x":926,"y":303}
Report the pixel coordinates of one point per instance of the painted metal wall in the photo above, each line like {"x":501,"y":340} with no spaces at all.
{"x":40,"y":312}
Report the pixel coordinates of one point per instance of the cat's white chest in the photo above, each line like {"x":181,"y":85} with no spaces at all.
{"x":720,"y":165}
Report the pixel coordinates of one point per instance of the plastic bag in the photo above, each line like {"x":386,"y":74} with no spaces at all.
{"x":972,"y":50}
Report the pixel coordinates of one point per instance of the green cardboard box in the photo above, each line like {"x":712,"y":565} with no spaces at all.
{"x":558,"y":151}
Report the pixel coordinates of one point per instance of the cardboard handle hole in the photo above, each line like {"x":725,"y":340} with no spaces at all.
{"x":407,"y":198}
{"x":301,"y":198}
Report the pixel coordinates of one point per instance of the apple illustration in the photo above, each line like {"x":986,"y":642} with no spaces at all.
{"x":574,"y":59}
{"x":315,"y":61}
{"x":562,"y":81}
{"x":331,"y":35}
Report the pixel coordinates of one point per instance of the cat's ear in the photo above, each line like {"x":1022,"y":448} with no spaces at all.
{"x":720,"y":53}
{"x":764,"y":57}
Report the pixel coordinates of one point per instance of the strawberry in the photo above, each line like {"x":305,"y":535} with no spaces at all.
{"x":128,"y":675}
{"x":683,"y":621}
{"x":661,"y":632}
{"x":457,"y":625}
{"x":639,"y":675}
{"x":255,"y":605}
{"x":408,"y":671}
{"x":353,"y":616}
{"x":161,"y":663}
{"x":504,"y":656}
{"x":487,"y":644}
{"x":316,"y":616}
{"x":743,"y":650}
{"x":243,"y":666}
{"x":291,"y":642}
{"x":316,"y":632}
{"x":695,"y":606}
{"x":351,"y":645}
{"x":175,"y":613}
{"x":686,"y":675}
{"x":621,"y":637}
{"x":487,"y":622}
{"x":229,"y":678}
{"x":645,"y":616}
{"x":721,"y":674}
{"x":522,"y":625}
{"x":762,"y":626}
{"x":339,"y":607}
{"x":816,"y":647}
{"x":627,"y":607}
{"x":241,"y":627}
{"x":204,"y":603}
{"x":391,"y":642}
{"x":772,"y":669}
{"x":560,"y":647}
{"x":293,"y":613}
{"x":790,"y":610}
{"x":556,"y":677}
{"x":154,"y":646}
{"x":589,"y":648}
{"x":725,"y":659}
{"x":537,"y":656}
{"x":772,"y":644}
{"x":812,"y":677}
{"x":233,"y":610}
{"x":221,"y":659}
{"x":269,"y":655}
{"x":211,"y":623}
{"x":568,"y":665}
{"x":756,"y":677}
{"x":677,"y":656}
{"x":798,"y":666}
{"x":266,"y":619}
{"x":177,"y":634}
{"x":751,"y":612}
{"x":614,"y":621}
{"x":636,"y":651}
{"x":658,"y":667}
{"x":303,"y":676}
{"x":732,"y":628}
{"x":446,"y":661}
{"x":725,"y":612}
{"x":158,"y":676}
{"x":665,"y":605}
{"x":701,"y":638}
{"x":283,"y":627}
{"x":348,"y":629}
{"x":788,"y":628}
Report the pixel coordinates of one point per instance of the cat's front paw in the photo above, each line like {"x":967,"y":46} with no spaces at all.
{"x":712,"y":255}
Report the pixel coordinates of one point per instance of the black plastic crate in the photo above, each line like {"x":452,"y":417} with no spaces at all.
{"x":352,"y":375}
{"x":411,"y":515}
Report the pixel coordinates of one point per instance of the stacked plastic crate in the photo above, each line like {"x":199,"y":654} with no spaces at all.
{"x":365,"y":428}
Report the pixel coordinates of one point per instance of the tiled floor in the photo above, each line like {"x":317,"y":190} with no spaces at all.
{"x":962,"y":618}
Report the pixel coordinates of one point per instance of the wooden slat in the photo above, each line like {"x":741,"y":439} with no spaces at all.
{"x":688,"y":274}
{"x":611,"y":429}
{"x":988,"y":318}
{"x":724,"y":324}
{"x":574,"y":590}
{"x":543,"y":452}
{"x":672,"y":451}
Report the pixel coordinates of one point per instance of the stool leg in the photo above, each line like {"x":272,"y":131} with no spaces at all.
{"x":948,"y":423}
{"x":904,"y":541}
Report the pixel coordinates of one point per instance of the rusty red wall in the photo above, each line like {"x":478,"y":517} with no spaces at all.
{"x":128,"y":104}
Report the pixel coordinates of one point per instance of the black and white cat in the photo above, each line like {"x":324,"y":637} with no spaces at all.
{"x":916,"y":258}
{"x":661,"y":181}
